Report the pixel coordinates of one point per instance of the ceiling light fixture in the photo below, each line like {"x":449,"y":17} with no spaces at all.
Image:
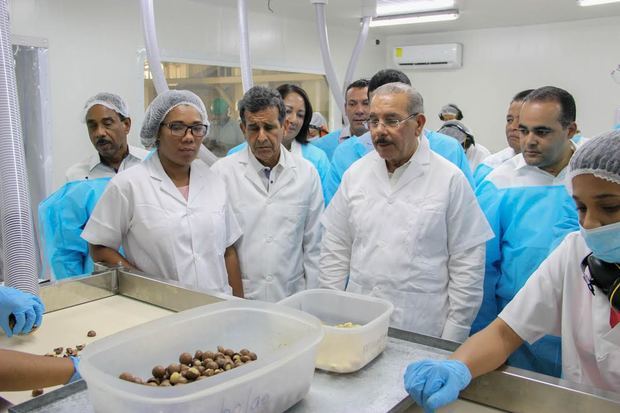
{"x":411,"y":18}
{"x":386,"y":7}
{"x":586,"y":3}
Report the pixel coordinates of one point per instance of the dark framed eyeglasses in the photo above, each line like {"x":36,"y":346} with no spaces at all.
{"x":179,"y":129}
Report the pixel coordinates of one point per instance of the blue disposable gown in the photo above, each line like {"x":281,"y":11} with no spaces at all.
{"x":328,"y":143}
{"x":355,"y":148}
{"x":310,"y":153}
{"x":530,"y":212}
{"x":498,"y":158}
{"x":62,"y":217}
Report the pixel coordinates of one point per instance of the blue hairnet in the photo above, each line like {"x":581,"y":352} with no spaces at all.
{"x":599,"y":156}
{"x":161,"y":106}
{"x":110,"y":101}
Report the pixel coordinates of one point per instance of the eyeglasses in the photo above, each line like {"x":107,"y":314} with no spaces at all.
{"x":389,"y":124}
{"x":180,"y":129}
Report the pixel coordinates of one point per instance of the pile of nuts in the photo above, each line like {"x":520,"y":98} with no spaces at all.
{"x":69,"y":351}
{"x":201,"y":365}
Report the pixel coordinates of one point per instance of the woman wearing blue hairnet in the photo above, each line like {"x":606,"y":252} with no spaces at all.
{"x":575,"y":294}
{"x":170,"y":214}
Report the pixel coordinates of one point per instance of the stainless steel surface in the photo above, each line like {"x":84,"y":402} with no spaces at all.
{"x":163,"y":294}
{"x":378,"y":387}
{"x":78,"y":290}
{"x":517,"y":390}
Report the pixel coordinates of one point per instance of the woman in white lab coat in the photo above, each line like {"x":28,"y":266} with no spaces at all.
{"x":574,"y":293}
{"x":170,"y":214}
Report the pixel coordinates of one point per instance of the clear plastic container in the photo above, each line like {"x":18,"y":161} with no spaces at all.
{"x":284,"y":339}
{"x":345,"y":350}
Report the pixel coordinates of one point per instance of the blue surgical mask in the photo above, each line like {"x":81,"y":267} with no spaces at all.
{"x":604,"y":241}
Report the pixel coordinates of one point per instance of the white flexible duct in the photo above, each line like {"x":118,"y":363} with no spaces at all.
{"x":357,"y":50}
{"x":244,"y":46}
{"x":152,"y":48}
{"x":332,"y":80}
{"x":20,"y":258}
{"x":152,"y":54}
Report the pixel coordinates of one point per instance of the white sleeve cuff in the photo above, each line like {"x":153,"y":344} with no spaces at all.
{"x":454,"y":332}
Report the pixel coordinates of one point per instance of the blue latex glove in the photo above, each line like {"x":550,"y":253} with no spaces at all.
{"x":26,"y":308}
{"x":435,"y":383}
{"x":76,"y":374}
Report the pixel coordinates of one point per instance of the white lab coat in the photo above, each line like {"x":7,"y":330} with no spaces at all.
{"x":499,"y":158}
{"x":556,"y":300}
{"x":419,"y":244}
{"x":164,"y":235}
{"x":93,"y":168}
{"x":476,"y":154}
{"x":279,"y":249}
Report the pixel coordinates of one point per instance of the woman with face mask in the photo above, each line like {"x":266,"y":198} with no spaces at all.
{"x":575,"y":294}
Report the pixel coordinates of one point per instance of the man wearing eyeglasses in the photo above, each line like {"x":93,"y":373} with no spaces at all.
{"x":278,"y":201}
{"x":357,"y":147}
{"x":405,"y":225}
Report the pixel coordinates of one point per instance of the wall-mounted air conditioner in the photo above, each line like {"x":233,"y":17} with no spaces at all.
{"x":429,"y":56}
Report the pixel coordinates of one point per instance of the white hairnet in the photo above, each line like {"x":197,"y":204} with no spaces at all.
{"x":109,"y":100}
{"x":161,"y":106}
{"x":456,"y":129}
{"x":318,"y":120}
{"x":599,"y":156}
{"x":452,"y":109}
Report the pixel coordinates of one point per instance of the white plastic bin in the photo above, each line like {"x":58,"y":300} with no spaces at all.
{"x":345,"y":350}
{"x":284,"y":339}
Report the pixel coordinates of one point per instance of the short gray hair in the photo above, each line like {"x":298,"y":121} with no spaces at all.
{"x":415,"y":103}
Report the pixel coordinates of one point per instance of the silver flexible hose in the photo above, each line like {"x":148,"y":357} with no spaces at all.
{"x":20,"y":258}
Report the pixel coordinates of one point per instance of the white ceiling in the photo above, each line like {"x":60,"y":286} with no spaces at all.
{"x":474,"y":14}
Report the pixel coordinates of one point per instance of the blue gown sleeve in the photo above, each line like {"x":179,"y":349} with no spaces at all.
{"x":237,"y":148}
{"x":63,"y":216}
{"x":481,"y":172}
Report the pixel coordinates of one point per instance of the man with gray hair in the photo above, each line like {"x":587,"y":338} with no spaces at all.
{"x":277,"y":199}
{"x":405,"y":225}
{"x":108,"y":123}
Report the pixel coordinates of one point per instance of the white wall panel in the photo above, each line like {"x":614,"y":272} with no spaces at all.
{"x":497,"y":63}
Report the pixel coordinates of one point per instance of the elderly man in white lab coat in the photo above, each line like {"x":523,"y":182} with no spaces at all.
{"x":405,"y":225}
{"x":108,"y":123}
{"x":277,"y":200}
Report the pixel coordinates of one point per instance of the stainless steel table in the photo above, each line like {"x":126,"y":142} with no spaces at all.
{"x":376,"y":388}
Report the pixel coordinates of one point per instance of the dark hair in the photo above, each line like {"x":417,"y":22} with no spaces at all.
{"x":358,"y":84}
{"x":520,"y":97}
{"x":260,"y":98}
{"x":386,"y":76}
{"x":285,"y":90}
{"x":566,"y":101}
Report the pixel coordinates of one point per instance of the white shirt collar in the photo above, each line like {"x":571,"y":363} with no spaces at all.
{"x":95,"y":159}
{"x":259,"y":167}
{"x":296,"y":148}
{"x":522,"y":164}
